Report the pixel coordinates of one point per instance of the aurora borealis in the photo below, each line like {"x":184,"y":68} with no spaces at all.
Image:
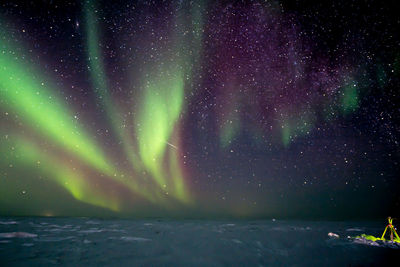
{"x":199,"y":108}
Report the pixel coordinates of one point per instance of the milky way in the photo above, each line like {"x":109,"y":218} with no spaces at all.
{"x":199,"y":109}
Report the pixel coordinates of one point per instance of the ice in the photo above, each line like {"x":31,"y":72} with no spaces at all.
{"x":228,"y":224}
{"x":17,"y":235}
{"x":133,"y":238}
{"x":91,"y":231}
{"x":333,"y":235}
{"x":189,"y":243}
{"x":354,"y":230}
{"x":54,"y":238}
{"x":366,"y":242}
{"x":8,"y":222}
{"x":378,"y":243}
{"x":92,"y":222}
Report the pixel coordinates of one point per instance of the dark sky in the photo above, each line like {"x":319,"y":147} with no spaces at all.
{"x":253,"y":109}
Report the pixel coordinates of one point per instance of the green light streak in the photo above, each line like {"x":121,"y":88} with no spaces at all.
{"x":230,"y":117}
{"x":161,"y":105}
{"x":32,"y":98}
{"x":286,"y":134}
{"x":100,"y":82}
{"x":72,"y":180}
{"x":229,"y":131}
{"x":350,"y":99}
{"x":188,"y":37}
{"x":296,"y":127}
{"x":95,"y":63}
{"x":23,"y":90}
{"x":198,"y":10}
{"x":162,"y":102}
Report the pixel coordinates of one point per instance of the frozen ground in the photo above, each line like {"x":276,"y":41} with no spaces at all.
{"x":83,"y":241}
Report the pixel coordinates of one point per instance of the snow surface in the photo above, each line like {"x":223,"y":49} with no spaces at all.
{"x":83,"y":241}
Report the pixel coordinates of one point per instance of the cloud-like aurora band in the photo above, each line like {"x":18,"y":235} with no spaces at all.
{"x":100,"y":83}
{"x":31,"y":96}
{"x":152,"y":141}
{"x":158,"y":115}
{"x":161,"y":105}
{"x":30,"y":155}
{"x":28,"y":94}
{"x":32,"y":100}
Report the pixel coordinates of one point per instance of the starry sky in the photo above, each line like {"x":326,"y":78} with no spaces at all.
{"x":203,"y":109}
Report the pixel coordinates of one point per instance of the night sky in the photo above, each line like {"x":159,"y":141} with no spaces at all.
{"x":204,"y":109}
